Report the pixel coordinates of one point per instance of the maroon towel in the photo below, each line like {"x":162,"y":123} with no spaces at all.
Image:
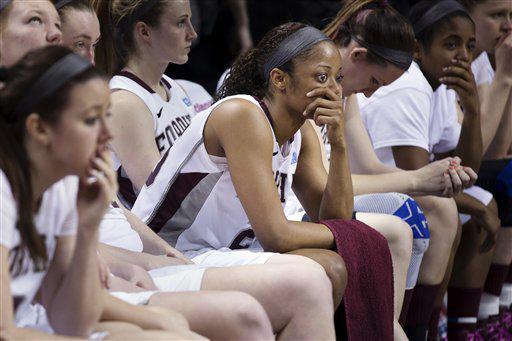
{"x":368,"y":297}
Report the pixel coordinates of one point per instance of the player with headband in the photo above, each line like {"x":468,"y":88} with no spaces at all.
{"x":493,"y":75}
{"x":246,"y":178}
{"x":56,"y":185}
{"x":411,"y":131}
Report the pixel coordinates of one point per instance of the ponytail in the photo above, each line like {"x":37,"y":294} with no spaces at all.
{"x":15,"y":164}
{"x":374,"y":24}
{"x":106,"y":57}
{"x":117,"y":21}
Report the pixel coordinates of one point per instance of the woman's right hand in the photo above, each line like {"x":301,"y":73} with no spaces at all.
{"x":97,"y":191}
{"x":503,"y":56}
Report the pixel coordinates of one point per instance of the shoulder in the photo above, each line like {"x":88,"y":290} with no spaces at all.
{"x":125,"y":102}
{"x":240,"y":116}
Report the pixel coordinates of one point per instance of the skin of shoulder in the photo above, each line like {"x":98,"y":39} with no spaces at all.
{"x":134,"y":142}
{"x":237,"y":121}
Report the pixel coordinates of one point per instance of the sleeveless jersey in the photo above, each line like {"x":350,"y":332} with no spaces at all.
{"x":170,"y":119}
{"x":190,"y":200}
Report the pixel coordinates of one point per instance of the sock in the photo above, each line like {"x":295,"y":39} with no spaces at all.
{"x":495,"y":279}
{"x":506,"y":291}
{"x":462,"y":310}
{"x":489,"y":305}
{"x":405,"y":306}
{"x":490,"y":301}
{"x":420,"y":310}
{"x":433,"y":325}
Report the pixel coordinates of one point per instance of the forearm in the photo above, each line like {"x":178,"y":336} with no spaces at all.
{"x":466,"y":204}
{"x":32,"y":334}
{"x":399,"y":181}
{"x":469,"y":147}
{"x":80,"y":290}
{"x":118,"y":310}
{"x":152,"y":243}
{"x":493,"y":105}
{"x":294,"y":235}
{"x":338,"y":198}
{"x":114,"y":255}
{"x":502,"y":141}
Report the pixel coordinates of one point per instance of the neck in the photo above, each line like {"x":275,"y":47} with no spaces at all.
{"x":146,"y":69}
{"x":286,"y":121}
{"x":43,"y":172}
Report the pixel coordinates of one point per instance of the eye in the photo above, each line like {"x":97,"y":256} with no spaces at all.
{"x":322,"y":78}
{"x":450,"y":45}
{"x":472,"y":46}
{"x":35,"y":19}
{"x":80,"y":45}
{"x":339,"y":78}
{"x":375,"y":81}
{"x":181,"y":23}
{"x":90,"y":121}
{"x":497,"y":15}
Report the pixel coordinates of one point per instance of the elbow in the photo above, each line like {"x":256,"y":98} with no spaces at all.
{"x":277,"y":240}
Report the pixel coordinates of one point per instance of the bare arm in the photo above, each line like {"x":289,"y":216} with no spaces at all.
{"x":494,"y":98}
{"x":134,"y":138}
{"x":8,"y":328}
{"x":231,"y":130}
{"x":239,"y":10}
{"x":503,"y":138}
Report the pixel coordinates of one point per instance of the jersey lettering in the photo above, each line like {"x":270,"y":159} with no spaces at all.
{"x":172,"y":132}
{"x":280,"y":179}
{"x":243,"y":240}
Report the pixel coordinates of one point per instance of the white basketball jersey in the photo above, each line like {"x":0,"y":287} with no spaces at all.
{"x":190,"y":200}
{"x":170,"y":119}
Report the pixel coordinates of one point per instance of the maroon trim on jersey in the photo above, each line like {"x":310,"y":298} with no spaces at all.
{"x":179,"y":190}
{"x":136,"y":79}
{"x":266,"y":111}
{"x":166,"y":83}
{"x":126,"y":188}
{"x":155,"y":171}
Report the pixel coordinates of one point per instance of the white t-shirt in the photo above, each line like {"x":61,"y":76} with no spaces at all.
{"x":399,"y":114}
{"x":115,"y":230}
{"x":57,"y":216}
{"x":445,"y":128}
{"x":482,"y":69}
{"x":201,"y":99}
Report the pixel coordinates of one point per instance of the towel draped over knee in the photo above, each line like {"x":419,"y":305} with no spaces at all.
{"x":368,"y":298}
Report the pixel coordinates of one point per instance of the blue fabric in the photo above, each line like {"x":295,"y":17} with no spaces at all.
{"x":411,"y":213}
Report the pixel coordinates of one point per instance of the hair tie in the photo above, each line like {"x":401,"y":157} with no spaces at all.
{"x":291,"y":47}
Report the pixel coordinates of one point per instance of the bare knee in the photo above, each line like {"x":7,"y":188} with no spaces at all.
{"x":443,"y":220}
{"x":398,"y":235}
{"x":250,"y":317}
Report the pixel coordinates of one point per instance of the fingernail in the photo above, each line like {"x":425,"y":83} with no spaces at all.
{"x":442,"y":79}
{"x":309,"y":94}
{"x":304,"y":113}
{"x":446,"y":68}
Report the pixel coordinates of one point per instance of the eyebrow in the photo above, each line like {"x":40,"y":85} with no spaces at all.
{"x":85,"y":36}
{"x":325,"y":66}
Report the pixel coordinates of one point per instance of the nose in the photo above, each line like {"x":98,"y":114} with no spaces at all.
{"x":54,"y":36}
{"x":192,"y":34}
{"x":507,"y":24}
{"x":463,"y":54}
{"x":105,"y":135}
{"x":335,"y":87}
{"x":90,"y":55}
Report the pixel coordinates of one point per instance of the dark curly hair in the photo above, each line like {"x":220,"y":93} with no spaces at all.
{"x":246,"y":74}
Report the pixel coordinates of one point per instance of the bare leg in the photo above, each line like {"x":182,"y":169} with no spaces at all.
{"x":296,"y":295}
{"x":399,"y":237}
{"x":334,"y":267}
{"x":127,"y":331}
{"x":219,"y":315}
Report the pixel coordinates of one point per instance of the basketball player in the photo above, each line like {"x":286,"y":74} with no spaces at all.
{"x":413,"y":131}
{"x":493,"y":74}
{"x":80,"y":27}
{"x":56,"y":184}
{"x":26,"y":25}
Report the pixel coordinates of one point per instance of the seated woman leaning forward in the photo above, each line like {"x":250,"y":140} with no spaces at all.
{"x":215,"y":190}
